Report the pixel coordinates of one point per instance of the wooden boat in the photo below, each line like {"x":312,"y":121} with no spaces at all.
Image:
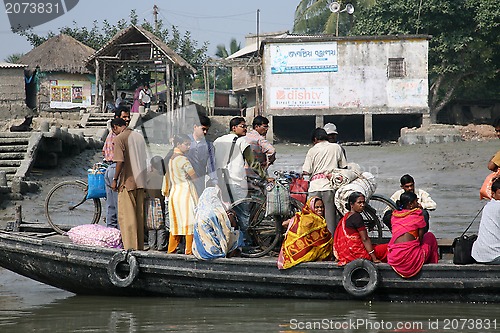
{"x":86,"y":270}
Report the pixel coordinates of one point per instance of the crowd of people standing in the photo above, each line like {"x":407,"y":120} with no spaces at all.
{"x":195,"y":164}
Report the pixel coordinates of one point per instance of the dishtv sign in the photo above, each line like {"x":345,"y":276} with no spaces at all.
{"x":300,"y":98}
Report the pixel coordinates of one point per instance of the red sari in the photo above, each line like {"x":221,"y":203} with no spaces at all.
{"x":348,"y":246}
{"x":407,"y":258}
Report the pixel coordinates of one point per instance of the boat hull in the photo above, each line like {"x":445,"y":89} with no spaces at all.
{"x":86,"y":270}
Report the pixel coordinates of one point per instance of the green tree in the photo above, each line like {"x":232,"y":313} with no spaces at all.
{"x":314,"y":17}
{"x":222,"y":51}
{"x":13,"y":58}
{"x":223,"y":75}
{"x":465,"y":46}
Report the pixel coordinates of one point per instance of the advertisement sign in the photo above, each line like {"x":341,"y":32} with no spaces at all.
{"x":300,"y":98}
{"x":304,"y":58}
{"x":69,"y":94}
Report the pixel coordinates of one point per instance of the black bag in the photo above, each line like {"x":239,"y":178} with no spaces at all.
{"x":462,"y":249}
{"x":462,"y":246}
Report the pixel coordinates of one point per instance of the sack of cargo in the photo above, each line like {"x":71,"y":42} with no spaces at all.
{"x":365,"y":184}
{"x":299,"y":188}
{"x":277,"y":198}
{"x":96,"y":235}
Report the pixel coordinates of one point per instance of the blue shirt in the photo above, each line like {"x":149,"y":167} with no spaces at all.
{"x":201,"y":154}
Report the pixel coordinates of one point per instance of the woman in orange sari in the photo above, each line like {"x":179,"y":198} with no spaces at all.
{"x":410,"y":248}
{"x":351,"y":240}
{"x":307,"y":238}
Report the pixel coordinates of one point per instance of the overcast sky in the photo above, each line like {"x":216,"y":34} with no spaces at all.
{"x":215,"y":21}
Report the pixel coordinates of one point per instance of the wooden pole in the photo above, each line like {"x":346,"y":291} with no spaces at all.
{"x":215,"y":81}
{"x":96,"y":101}
{"x":173,"y":87}
{"x":169,"y":87}
{"x":104,"y":88}
{"x":19,"y":218}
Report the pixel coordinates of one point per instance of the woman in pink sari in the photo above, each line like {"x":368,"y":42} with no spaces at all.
{"x":410,"y":248}
{"x":135,"y":106}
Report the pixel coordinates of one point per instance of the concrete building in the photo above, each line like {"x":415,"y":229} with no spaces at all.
{"x":370,"y":87}
{"x":12,"y":91}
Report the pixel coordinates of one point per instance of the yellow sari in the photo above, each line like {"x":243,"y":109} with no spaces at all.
{"x":307,"y":238}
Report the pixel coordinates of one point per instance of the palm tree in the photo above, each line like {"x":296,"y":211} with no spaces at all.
{"x":14,"y":58}
{"x":224,"y":74}
{"x":314,"y":17}
{"x":222,"y":52}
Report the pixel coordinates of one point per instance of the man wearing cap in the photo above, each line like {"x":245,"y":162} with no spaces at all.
{"x":331,"y":131}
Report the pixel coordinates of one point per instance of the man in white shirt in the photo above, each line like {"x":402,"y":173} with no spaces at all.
{"x":424,"y":199}
{"x":145,"y":96}
{"x":486,"y":249}
{"x":321,"y":160}
{"x":232,"y":151}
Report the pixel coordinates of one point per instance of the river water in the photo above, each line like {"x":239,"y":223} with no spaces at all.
{"x":451,"y":173}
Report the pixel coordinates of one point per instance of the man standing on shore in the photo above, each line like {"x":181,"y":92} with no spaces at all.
{"x":201,"y":154}
{"x":262,"y":149}
{"x":131,"y":169}
{"x":321,"y":160}
{"x":122,"y":112}
{"x":232,"y":151}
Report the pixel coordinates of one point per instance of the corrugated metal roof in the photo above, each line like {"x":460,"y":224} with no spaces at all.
{"x":11,"y":65}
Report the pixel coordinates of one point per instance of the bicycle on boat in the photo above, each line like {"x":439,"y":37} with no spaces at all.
{"x":66,"y":205}
{"x":266,"y":232}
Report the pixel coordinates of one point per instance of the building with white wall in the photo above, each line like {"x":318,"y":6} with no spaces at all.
{"x":371,"y":84}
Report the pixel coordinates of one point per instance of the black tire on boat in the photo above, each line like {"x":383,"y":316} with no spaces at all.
{"x":360,"y":278}
{"x":115,"y":276}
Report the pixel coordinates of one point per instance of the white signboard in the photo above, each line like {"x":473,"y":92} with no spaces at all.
{"x":304,"y":58}
{"x":300,"y":98}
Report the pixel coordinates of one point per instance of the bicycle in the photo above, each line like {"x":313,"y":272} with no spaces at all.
{"x":66,"y":206}
{"x":372,"y":214}
{"x":264,"y":231}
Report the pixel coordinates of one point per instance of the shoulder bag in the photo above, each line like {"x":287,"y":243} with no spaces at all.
{"x":223,"y":176}
{"x":462,"y":246}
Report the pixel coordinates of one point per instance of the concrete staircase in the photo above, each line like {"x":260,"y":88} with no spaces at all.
{"x":16,"y":158}
{"x":96,"y":120}
{"x":14,"y":149}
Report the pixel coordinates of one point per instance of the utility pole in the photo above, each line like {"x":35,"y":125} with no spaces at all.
{"x":155,"y":14}
{"x":257,"y":98}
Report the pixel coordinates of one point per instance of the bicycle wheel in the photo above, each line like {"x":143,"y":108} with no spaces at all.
{"x":264,"y":231}
{"x":373,"y":225}
{"x":380,"y":205}
{"x":66,"y":206}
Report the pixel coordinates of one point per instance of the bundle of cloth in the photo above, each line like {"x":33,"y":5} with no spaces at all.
{"x":341,"y":177}
{"x":214,"y":237}
{"x":365,"y":184}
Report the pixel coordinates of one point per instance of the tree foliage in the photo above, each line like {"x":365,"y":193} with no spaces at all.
{"x":96,"y":37}
{"x":465,"y":46}
{"x":223,"y":75}
{"x":314,"y":17}
{"x":14,"y":57}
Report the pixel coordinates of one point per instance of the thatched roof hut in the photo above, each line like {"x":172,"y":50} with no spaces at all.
{"x":61,"y":53}
{"x":139,"y":46}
